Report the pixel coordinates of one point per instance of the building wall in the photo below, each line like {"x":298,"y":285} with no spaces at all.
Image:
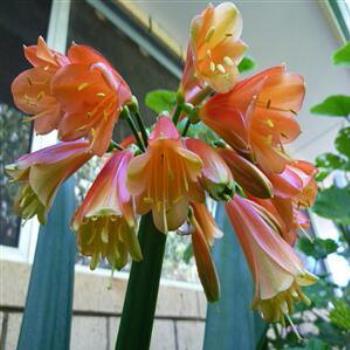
{"x":98,"y":301}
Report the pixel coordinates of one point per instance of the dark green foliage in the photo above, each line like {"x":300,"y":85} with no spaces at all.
{"x":336,"y":106}
{"x":318,"y":248}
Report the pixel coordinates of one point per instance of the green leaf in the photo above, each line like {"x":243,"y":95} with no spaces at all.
{"x":319,"y":248}
{"x":330,"y":161}
{"x":342,"y":141}
{"x":336,"y":105}
{"x":246,"y":65}
{"x":334,"y":203}
{"x":341,"y":57}
{"x":161,"y":100}
{"x":340,"y":315}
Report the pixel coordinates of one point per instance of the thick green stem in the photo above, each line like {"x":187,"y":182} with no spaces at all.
{"x":135,"y":328}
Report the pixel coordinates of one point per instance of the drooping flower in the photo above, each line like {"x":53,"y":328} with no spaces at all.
{"x":206,"y":221}
{"x":294,"y":189}
{"x":42,"y":172}
{"x":32,"y":88}
{"x":165,"y":178}
{"x":202,"y":235}
{"x":277,"y":271}
{"x":257,"y":117}
{"x":215,"y":48}
{"x":216,"y":177}
{"x":246,"y":174}
{"x":105,"y":222}
{"x":92,"y":95}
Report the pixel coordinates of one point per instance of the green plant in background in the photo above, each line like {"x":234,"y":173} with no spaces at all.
{"x":325,"y":323}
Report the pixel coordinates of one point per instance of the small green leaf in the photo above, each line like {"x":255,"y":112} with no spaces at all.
{"x":330,"y":161}
{"x":342,"y":141}
{"x":340,"y":315}
{"x":312,"y":344}
{"x":334,"y":203}
{"x":161,"y":100}
{"x":336,"y":105}
{"x":319,"y":248}
{"x":246,"y":65}
{"x":341,"y":57}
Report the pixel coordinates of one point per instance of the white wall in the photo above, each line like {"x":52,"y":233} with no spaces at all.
{"x":296,"y":32}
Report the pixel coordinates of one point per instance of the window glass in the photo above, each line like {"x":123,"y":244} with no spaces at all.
{"x":21,"y":22}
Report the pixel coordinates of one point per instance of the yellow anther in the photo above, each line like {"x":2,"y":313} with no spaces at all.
{"x":82,"y":86}
{"x":148,"y":200}
{"x":269,"y":139}
{"x":228,"y":61}
{"x":209,"y":53}
{"x":210,"y":33}
{"x":46,"y":68}
{"x":221,"y":68}
{"x":270,"y":123}
{"x":212,"y":66}
{"x":40,"y":95}
{"x":101,"y":94}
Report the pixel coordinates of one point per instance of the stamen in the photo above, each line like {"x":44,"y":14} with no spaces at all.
{"x":101,"y":94}
{"x":221,"y":68}
{"x":82,"y":86}
{"x":270,"y":123}
{"x":210,"y":33}
{"x":212,"y":66}
{"x":228,"y":61}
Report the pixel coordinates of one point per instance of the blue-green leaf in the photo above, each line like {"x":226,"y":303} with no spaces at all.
{"x":336,"y":105}
{"x":161,"y":100}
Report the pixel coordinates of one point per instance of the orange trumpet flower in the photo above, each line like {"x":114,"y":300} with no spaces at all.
{"x":42,"y":172}
{"x":31,"y":89}
{"x":105,"y":222}
{"x":258,"y":116}
{"x":277,"y":271}
{"x":215,"y":49}
{"x":92,"y":95}
{"x":165,"y":178}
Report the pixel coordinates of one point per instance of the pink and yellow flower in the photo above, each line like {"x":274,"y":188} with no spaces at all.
{"x":32,"y":88}
{"x":257,"y":117}
{"x":216,"y":177}
{"x":165,"y":178}
{"x":105,"y":222}
{"x":42,"y":172}
{"x":215,"y":48}
{"x":277,"y":271}
{"x":92,"y":95}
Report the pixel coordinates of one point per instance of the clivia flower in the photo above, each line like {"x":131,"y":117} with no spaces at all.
{"x":32,"y":88}
{"x":246,"y":174}
{"x":92,"y":95}
{"x":258,"y":116}
{"x":216,"y":177}
{"x":42,"y":172}
{"x":204,"y":231}
{"x":105,"y":222}
{"x":165,"y":178}
{"x":277,"y":271}
{"x":215,"y":48}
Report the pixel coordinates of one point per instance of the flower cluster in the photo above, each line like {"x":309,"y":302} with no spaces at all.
{"x":167,"y":173}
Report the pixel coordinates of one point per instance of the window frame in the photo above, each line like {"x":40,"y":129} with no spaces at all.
{"x":29,"y":230}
